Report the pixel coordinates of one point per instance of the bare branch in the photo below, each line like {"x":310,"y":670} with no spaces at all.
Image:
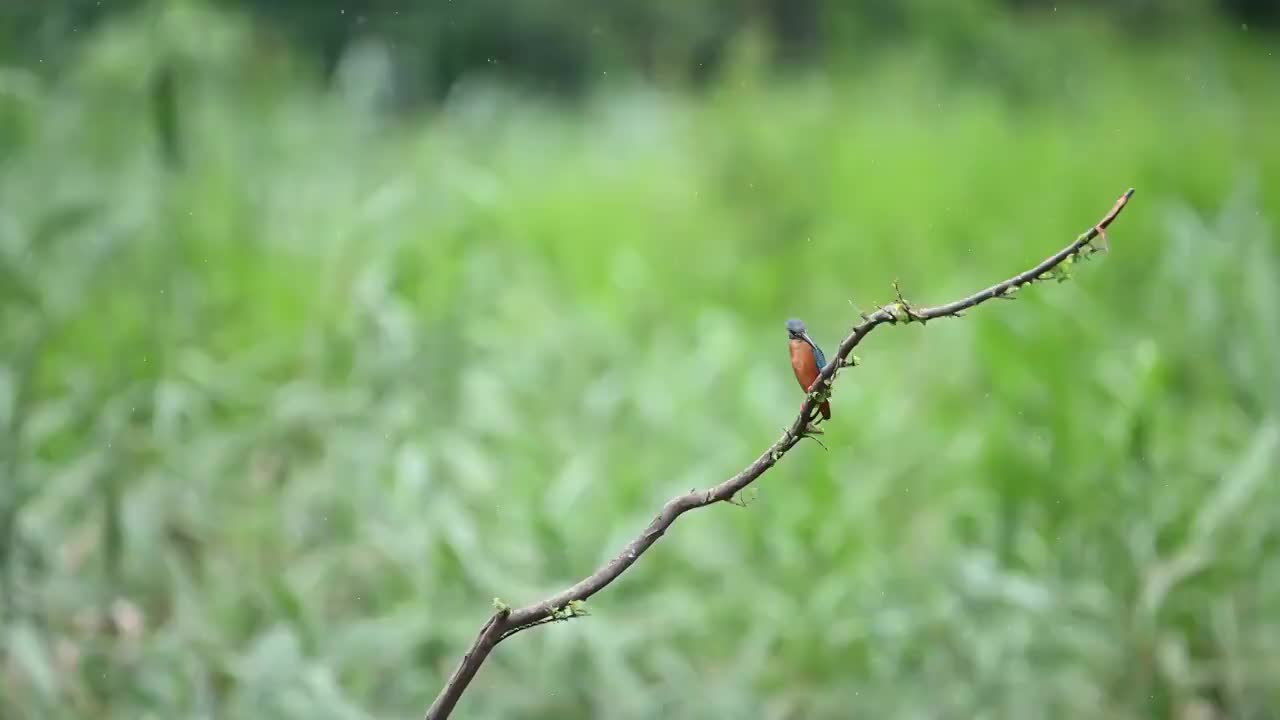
{"x":506,"y":623}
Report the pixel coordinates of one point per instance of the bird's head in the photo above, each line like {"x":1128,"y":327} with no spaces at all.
{"x":796,"y":330}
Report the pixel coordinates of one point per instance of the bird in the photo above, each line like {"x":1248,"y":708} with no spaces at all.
{"x":807,"y":360}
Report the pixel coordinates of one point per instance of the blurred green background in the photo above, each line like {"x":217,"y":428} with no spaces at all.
{"x":324,"y":323}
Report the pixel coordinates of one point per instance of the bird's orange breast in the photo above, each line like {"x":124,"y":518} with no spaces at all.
{"x":802,"y":362}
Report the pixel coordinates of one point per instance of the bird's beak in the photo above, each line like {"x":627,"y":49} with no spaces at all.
{"x":808,"y":339}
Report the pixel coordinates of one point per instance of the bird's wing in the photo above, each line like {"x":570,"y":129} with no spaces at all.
{"x":818,"y":357}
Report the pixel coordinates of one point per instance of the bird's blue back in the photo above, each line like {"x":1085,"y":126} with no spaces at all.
{"x":818,"y":357}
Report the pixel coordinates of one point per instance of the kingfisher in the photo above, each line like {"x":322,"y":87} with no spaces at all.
{"x":807,"y":360}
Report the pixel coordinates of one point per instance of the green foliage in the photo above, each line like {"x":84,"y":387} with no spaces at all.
{"x":279,"y":416}
{"x":571,"y":46}
{"x":575,"y":608}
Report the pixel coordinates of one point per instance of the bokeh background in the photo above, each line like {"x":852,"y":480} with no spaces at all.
{"x":324,"y":323}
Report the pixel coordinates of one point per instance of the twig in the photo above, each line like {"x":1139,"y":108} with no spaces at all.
{"x":507,"y":622}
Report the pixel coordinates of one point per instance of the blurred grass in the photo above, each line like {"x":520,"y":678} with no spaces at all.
{"x":281,"y":416}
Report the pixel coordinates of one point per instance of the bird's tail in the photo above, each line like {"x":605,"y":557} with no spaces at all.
{"x":825,"y":407}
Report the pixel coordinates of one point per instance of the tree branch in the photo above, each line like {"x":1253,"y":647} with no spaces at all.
{"x":565,"y":604}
